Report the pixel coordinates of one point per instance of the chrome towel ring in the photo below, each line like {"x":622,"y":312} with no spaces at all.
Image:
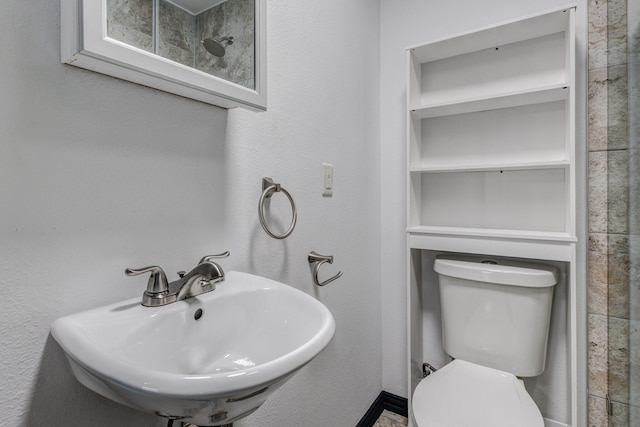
{"x":268,"y":188}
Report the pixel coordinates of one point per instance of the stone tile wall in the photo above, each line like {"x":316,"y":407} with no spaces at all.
{"x":180,"y":33}
{"x":633,"y":42}
{"x":233,"y":18}
{"x":611,"y":230}
{"x":176,"y":34}
{"x":131,"y":22}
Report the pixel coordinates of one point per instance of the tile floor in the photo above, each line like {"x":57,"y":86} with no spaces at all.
{"x":390,"y":419}
{"x":387,"y":419}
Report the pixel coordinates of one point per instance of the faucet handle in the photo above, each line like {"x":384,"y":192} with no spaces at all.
{"x":157,"y":284}
{"x":208,"y":258}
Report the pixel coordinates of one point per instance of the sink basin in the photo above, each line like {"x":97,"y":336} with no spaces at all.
{"x":208,"y":360}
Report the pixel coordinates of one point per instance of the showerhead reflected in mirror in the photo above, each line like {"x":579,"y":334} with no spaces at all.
{"x":184,"y":31}
{"x":158,"y":43}
{"x":216,"y":46}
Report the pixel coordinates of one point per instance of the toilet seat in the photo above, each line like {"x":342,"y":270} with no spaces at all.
{"x":463,"y":394}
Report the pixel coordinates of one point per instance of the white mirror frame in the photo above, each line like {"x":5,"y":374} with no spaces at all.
{"x":85,"y":44}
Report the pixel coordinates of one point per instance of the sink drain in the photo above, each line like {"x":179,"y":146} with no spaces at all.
{"x":198,"y":314}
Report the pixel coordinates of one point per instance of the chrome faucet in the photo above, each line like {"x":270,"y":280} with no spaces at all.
{"x":201,"y":279}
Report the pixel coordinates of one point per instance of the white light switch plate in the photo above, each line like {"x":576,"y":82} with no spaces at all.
{"x":327,"y":179}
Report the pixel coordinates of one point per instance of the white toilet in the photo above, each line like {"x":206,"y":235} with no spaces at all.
{"x":495,"y":324}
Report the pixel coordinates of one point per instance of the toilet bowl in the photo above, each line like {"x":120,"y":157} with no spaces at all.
{"x":495,"y":325}
{"x":463,"y":394}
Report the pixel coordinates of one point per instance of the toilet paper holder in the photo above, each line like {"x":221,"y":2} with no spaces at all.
{"x":315,"y":261}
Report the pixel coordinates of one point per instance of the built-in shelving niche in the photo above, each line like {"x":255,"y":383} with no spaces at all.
{"x":491,"y":169}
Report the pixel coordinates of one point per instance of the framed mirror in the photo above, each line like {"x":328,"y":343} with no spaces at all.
{"x":213,"y":51}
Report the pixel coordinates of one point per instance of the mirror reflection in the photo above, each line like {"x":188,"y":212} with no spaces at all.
{"x":213,"y":36}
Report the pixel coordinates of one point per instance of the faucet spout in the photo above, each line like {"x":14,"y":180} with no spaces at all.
{"x":202,"y":278}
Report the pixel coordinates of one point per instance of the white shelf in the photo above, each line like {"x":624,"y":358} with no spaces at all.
{"x":493,"y":233}
{"x":530,"y":96}
{"x":529,"y":133}
{"x":551,"y":164}
{"x":509,"y":243}
{"x":530,"y":27}
{"x":489,"y":145}
{"x":531,"y":199}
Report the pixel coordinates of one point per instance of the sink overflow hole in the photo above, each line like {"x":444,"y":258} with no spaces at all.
{"x":198,"y":314}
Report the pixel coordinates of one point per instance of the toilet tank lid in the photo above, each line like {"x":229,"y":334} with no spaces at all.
{"x":497,"y":271}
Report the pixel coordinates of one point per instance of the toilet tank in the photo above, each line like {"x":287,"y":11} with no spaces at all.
{"x":496,"y":313}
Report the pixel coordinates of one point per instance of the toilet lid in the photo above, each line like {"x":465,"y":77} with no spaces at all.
{"x":463,"y":394}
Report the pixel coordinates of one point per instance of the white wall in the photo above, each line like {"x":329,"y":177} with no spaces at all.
{"x":98,"y":174}
{"x":403,"y":24}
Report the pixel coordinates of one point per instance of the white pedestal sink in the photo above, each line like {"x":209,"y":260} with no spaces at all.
{"x":208,"y":360}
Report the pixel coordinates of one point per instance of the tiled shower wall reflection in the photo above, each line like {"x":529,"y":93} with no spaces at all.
{"x":180,"y":33}
{"x":232,"y":18}
{"x":176,"y":36}
{"x":614,"y":210}
{"x":131,"y":22}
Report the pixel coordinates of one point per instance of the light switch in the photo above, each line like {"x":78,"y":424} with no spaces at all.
{"x":327,"y":181}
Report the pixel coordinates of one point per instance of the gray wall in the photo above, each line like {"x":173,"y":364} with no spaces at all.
{"x":98,"y":174}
